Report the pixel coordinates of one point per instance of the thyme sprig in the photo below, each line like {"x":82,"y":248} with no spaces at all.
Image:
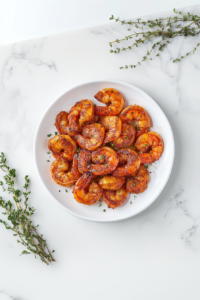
{"x":20,"y":218}
{"x":164,"y":29}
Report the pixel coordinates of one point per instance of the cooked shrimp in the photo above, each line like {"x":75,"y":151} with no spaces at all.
{"x":126,"y":137}
{"x":80,"y":114}
{"x":111,"y":182}
{"x":84,"y":159}
{"x":112,"y":126}
{"x":62,"y":146}
{"x":115,"y":198}
{"x":137,"y":113}
{"x":61,"y":122}
{"x":152,"y":143}
{"x":114,"y":101}
{"x":92,"y":136}
{"x":87,"y":193}
{"x":137,"y":183}
{"x":105,"y":159}
{"x":129,"y":162}
{"x":62,"y":174}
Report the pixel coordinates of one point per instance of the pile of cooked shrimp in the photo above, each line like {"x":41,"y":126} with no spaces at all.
{"x":113,"y":146}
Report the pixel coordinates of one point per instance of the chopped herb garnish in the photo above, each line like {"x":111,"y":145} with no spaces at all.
{"x":57,"y":141}
{"x":59,"y":191}
{"x":76,"y":137}
{"x":112,"y":144}
{"x":119,"y":191}
{"x":101,"y":157}
{"x":104,"y":210}
{"x":95,"y":105}
{"x":92,"y":136}
{"x":146,"y":166}
{"x":49,"y":134}
{"x":48,"y":152}
{"x":100,"y":205}
{"x":146,"y":145}
{"x":131,"y":202}
{"x":127,"y":138}
{"x":66,"y":191}
{"x":55,"y":132}
{"x":48,"y":160}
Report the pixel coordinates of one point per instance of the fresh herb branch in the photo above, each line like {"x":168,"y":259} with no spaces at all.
{"x":20,"y":218}
{"x":164,"y":29}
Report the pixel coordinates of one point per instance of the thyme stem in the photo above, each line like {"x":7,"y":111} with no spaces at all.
{"x":169,"y":28}
{"x":21,"y":218}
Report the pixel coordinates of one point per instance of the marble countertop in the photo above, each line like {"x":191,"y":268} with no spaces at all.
{"x":154,"y":255}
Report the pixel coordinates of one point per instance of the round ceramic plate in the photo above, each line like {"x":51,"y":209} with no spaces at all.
{"x":159,"y":171}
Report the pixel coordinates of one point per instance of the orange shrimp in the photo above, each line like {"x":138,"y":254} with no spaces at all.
{"x":112,"y":126}
{"x":151,"y":143}
{"x":84,"y":159}
{"x":62,"y":146}
{"x":92,"y":136}
{"x":81,"y":114}
{"x":105,"y":159}
{"x":129,"y":162}
{"x":61,"y":172}
{"x":114,"y":101}
{"x":126,"y":137}
{"x":139,"y":115}
{"x":61,"y":122}
{"x":137,"y":183}
{"x":87,"y":193}
{"x":111,"y":182}
{"x":115,"y":198}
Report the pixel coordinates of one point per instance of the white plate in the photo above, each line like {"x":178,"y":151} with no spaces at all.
{"x":160,"y":170}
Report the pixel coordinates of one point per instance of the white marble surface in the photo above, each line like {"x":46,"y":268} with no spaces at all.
{"x":155,"y":255}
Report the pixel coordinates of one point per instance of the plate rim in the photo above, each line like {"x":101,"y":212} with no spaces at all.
{"x":35,"y":145}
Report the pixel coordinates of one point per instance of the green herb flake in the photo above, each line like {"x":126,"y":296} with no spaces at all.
{"x":112,"y":144}
{"x":131,"y":202}
{"x":48,"y":160}
{"x":55,"y":133}
{"x":146,"y":166}
{"x":66,"y":191}
{"x":102,"y":157}
{"x":48,"y":152}
{"x":49,"y":134}
{"x":95,"y":105}
{"x":146,"y":145}
{"x":100,"y":205}
{"x":92,"y":136}
{"x":104,"y":210}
